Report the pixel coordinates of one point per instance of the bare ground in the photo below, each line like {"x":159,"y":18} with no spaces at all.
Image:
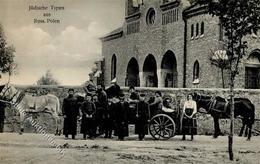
{"x":33,"y":148}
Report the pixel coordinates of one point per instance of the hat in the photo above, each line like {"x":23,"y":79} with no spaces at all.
{"x":160,"y":93}
{"x":121,"y":94}
{"x":142,"y":94}
{"x":114,"y":80}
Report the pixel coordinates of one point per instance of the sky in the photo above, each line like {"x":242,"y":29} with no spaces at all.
{"x":68,"y":48}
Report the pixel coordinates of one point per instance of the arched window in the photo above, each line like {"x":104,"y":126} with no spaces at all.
{"x":196,"y":70}
{"x":192,"y":31}
{"x":197,"y":29}
{"x":202,"y":29}
{"x":113,"y":67}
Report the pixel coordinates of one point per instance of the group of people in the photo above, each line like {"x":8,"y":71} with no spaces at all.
{"x":102,"y":112}
{"x":109,"y":112}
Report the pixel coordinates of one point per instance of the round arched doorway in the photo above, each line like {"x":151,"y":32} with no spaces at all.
{"x":169,"y":70}
{"x":132,"y":73}
{"x":150,"y":72}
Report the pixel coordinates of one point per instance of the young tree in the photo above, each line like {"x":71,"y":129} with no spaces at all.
{"x":220,"y":60}
{"x":47,"y":79}
{"x":239,"y":18}
{"x":7,"y":64}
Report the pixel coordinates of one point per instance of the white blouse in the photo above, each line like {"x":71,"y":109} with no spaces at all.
{"x":190,"y":104}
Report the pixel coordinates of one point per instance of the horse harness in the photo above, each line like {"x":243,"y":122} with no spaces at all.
{"x":213,"y":103}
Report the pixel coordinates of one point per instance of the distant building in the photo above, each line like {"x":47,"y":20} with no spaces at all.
{"x":168,"y":43}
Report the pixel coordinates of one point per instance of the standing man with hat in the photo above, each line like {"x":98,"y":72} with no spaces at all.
{"x":102,"y":99}
{"x":109,"y":119}
{"x":88,"y":123}
{"x":142,"y":115}
{"x":70,"y":112}
{"x":121,"y":117}
{"x":133,"y":100}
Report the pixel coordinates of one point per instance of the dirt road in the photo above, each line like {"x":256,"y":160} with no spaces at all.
{"x":33,"y":148}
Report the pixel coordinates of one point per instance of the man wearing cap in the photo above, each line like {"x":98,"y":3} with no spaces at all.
{"x":88,"y":110}
{"x":102,"y":99}
{"x":70,"y":112}
{"x":142,"y":115}
{"x":133,"y":100}
{"x":121,"y":117}
{"x":108,"y":118}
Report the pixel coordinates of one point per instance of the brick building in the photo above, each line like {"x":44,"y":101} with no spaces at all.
{"x":168,"y":43}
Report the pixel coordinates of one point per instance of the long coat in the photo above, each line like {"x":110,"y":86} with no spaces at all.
{"x":141,"y":118}
{"x":109,"y":117}
{"x":102,"y":98}
{"x":88,"y":123}
{"x":71,"y":111}
{"x":121,"y":110}
{"x":101,"y":106}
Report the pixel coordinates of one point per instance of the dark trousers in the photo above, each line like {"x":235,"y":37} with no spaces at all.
{"x":2,"y":118}
{"x":122,"y":130}
{"x":108,"y":126}
{"x":90,"y":128}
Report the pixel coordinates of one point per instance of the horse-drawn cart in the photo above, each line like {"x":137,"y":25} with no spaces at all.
{"x":165,"y":124}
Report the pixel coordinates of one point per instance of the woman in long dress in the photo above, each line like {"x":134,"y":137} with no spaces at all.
{"x":189,"y":123}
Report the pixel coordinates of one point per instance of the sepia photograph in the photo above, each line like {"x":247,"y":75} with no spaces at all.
{"x":129,"y":81}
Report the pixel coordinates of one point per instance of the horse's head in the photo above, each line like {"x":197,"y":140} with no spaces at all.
{"x":7,"y":92}
{"x":203,"y":102}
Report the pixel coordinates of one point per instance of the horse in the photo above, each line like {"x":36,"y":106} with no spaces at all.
{"x":25,"y":104}
{"x":219,"y":108}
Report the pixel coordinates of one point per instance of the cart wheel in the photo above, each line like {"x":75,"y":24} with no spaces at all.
{"x":162,"y":126}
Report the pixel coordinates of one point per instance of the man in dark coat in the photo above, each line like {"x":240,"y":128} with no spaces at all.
{"x":70,"y":112}
{"x":88,"y":124}
{"x":102,"y":102}
{"x":121,"y":117}
{"x":133,"y":100}
{"x":142,"y":111}
{"x":108,"y":119}
{"x":2,"y":116}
